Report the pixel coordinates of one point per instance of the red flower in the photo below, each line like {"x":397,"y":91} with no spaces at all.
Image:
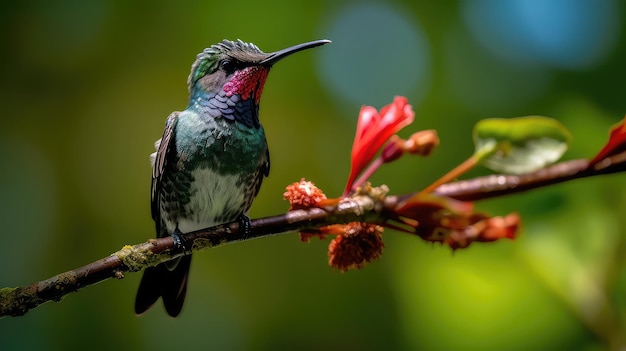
{"x":373,"y":130}
{"x":615,"y":145}
{"x":453,"y":222}
{"x":303,"y":194}
{"x":357,"y":245}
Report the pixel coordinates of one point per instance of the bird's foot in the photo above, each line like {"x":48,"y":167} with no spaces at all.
{"x":180,"y":244}
{"x":244,"y":226}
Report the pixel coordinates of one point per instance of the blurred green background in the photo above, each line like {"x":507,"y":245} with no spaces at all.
{"x":86,"y":86}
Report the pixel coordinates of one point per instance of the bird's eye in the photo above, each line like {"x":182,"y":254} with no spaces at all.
{"x":228,"y":65}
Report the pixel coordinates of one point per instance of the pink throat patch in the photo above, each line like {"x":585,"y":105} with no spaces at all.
{"x":247,"y":83}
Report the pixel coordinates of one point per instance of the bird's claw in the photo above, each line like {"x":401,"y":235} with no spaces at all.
{"x":244,"y":226}
{"x":180,"y":244}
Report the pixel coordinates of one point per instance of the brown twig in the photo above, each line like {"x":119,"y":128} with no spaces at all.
{"x":18,"y":301}
{"x":499,"y":185}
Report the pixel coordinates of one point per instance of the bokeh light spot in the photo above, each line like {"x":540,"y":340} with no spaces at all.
{"x":377,"y":53}
{"x":570,"y":34}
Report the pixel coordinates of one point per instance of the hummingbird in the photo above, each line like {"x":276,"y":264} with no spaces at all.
{"x":211,"y":160}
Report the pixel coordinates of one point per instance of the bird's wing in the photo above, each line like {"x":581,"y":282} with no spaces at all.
{"x":265,"y":168}
{"x":159,"y":161}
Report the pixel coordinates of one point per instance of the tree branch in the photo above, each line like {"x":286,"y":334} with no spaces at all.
{"x":499,"y":184}
{"x":361,"y":208}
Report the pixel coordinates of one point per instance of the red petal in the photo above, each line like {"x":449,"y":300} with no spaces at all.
{"x":367,"y":116}
{"x":615,"y":145}
{"x":373,"y":130}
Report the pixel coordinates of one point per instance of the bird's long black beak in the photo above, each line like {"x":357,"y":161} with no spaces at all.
{"x":278,"y":55}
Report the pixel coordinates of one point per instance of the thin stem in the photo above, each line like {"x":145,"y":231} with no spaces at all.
{"x":453,"y":174}
{"x":369,"y":171}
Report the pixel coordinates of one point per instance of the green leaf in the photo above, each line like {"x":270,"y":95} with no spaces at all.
{"x":520,"y":145}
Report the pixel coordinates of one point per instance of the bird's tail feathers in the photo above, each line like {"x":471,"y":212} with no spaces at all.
{"x":160,"y":281}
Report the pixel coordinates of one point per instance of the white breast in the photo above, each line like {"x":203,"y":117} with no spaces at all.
{"x":212,"y":196}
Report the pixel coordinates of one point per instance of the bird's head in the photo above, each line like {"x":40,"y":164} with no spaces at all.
{"x":236,"y":67}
